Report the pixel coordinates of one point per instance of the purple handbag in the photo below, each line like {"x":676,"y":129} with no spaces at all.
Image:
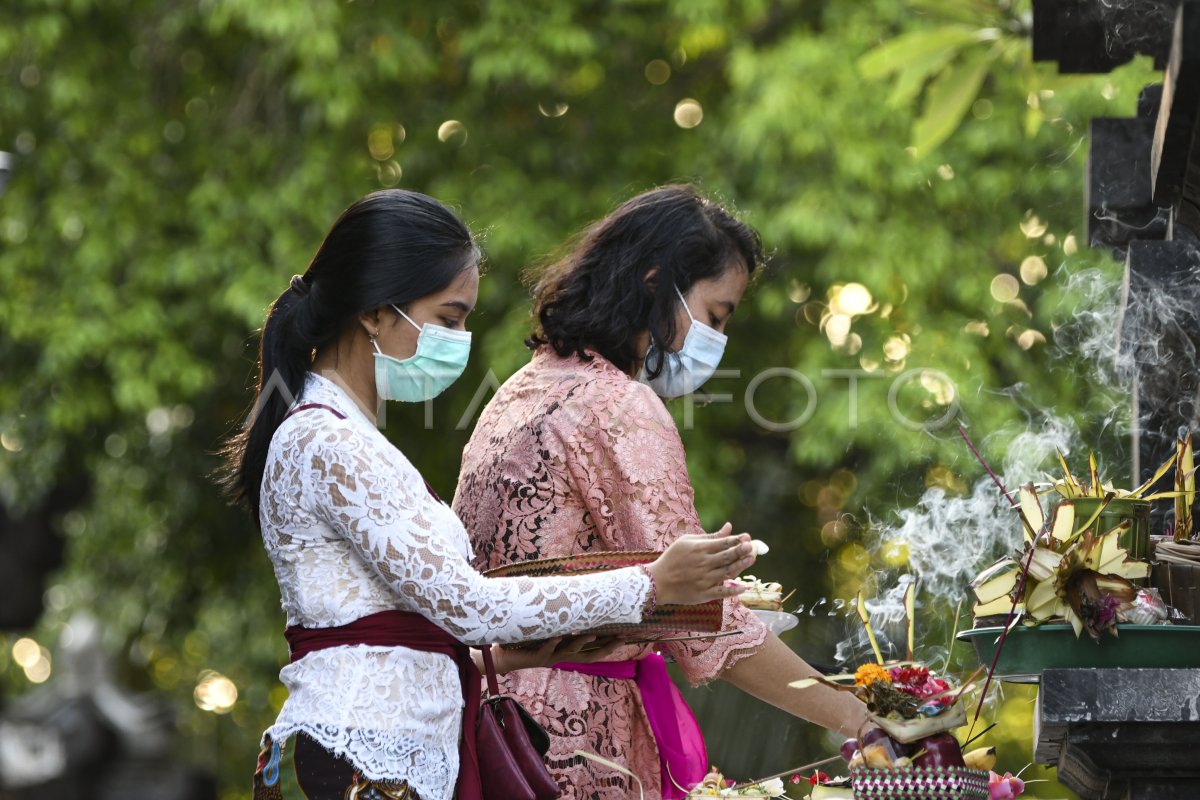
{"x":511,"y":745}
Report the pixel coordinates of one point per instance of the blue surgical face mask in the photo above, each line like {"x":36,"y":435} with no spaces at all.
{"x":440,"y":358}
{"x":685,"y":371}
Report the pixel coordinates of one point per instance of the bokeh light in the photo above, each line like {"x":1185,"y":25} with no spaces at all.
{"x":937,"y":385}
{"x":897,"y":347}
{"x":388,"y":173}
{"x":452,"y":132}
{"x":852,"y":299}
{"x":553,"y":110}
{"x":32,"y":658}
{"x":214,"y":692}
{"x":25,"y":651}
{"x":1032,"y":226}
{"x":688,"y":113}
{"x":11,"y":441}
{"x":1005,"y":288}
{"x":379,"y":142}
{"x":658,"y":71}
{"x":798,"y":292}
{"x":837,"y":328}
{"x":1030,"y":337}
{"x":1033,"y":270}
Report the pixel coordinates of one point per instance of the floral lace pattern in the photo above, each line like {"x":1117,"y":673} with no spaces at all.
{"x":351,"y":530}
{"x":573,"y":455}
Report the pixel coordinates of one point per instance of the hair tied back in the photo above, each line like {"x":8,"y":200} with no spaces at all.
{"x":299,"y":285}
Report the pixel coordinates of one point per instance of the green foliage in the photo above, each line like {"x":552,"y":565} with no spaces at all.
{"x":176,"y":163}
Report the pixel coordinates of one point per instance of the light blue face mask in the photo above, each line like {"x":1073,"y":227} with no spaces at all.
{"x":440,"y":358}
{"x":685,"y":371}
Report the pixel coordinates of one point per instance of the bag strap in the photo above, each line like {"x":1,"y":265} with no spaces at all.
{"x":490,"y":670}
{"x":308,"y":406}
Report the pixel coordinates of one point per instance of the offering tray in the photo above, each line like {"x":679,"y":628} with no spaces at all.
{"x":1027,"y":651}
{"x":663,"y":621}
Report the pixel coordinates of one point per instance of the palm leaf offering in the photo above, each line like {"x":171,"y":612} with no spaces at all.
{"x":1076,"y":566}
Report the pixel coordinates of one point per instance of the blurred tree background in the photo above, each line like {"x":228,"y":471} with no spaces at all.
{"x":917,"y":179}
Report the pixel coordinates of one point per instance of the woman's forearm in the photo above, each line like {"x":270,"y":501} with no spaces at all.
{"x":767,"y":673}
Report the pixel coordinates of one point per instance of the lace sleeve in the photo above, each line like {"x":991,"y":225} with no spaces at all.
{"x":371,"y":496}
{"x":628,"y":464}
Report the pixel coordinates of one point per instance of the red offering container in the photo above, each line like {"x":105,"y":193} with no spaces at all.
{"x":920,"y":783}
{"x":663,"y":621}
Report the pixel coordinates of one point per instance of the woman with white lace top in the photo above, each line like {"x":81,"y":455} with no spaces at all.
{"x":374,"y":570}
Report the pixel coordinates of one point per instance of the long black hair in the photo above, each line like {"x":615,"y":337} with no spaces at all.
{"x":598,"y":296}
{"x":390,"y":247}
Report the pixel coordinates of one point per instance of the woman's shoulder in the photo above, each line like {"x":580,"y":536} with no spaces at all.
{"x":325,"y":420}
{"x":589,"y":373}
{"x":592,"y":390}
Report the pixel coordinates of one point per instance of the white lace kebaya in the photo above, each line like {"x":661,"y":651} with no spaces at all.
{"x":351,"y":530}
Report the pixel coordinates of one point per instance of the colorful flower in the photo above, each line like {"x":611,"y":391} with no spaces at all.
{"x":917,"y":682}
{"x":867,"y":674}
{"x":1004,"y":788}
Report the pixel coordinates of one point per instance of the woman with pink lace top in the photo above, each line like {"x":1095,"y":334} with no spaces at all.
{"x":577,"y":452}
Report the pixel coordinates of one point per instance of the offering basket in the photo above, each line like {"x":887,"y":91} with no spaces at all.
{"x":920,"y":783}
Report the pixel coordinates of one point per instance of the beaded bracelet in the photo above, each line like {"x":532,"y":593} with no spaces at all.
{"x":651,"y":599}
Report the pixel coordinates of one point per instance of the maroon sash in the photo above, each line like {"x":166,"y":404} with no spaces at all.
{"x":407,"y":629}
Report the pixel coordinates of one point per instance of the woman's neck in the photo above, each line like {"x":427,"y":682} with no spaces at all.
{"x":350,"y":363}
{"x":641,"y":344}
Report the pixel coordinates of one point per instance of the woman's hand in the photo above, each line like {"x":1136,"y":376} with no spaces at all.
{"x":696,"y":567}
{"x":580,"y":649}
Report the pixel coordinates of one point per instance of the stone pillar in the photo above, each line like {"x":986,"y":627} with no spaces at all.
{"x":1121,"y":734}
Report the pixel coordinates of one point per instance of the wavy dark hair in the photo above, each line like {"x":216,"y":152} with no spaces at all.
{"x":597,"y":296}
{"x":390,"y":247}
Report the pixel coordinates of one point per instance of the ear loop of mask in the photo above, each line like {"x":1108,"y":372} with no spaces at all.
{"x":407,"y":318}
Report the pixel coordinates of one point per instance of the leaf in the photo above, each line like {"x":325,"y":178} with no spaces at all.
{"x":949,"y":97}
{"x":1070,"y":616}
{"x":1095,"y":487}
{"x":1032,"y":514}
{"x":1158,"y":473}
{"x":1042,"y":601}
{"x":1043,"y":563}
{"x":911,"y":80}
{"x":1068,"y":478}
{"x":910,"y":615}
{"x":1185,"y":483}
{"x":805,"y":683}
{"x":1064,"y":521}
{"x":861,"y":608}
{"x":1113,"y":559}
{"x":902,"y":52}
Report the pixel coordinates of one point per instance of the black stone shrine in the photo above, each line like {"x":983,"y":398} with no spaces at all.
{"x":1121,"y":734}
{"x":1134,"y":734}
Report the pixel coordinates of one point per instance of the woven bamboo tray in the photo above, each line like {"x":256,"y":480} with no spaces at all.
{"x":920,"y":783}
{"x":663,"y":621}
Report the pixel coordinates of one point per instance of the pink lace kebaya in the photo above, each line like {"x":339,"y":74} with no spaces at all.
{"x":573,"y":455}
